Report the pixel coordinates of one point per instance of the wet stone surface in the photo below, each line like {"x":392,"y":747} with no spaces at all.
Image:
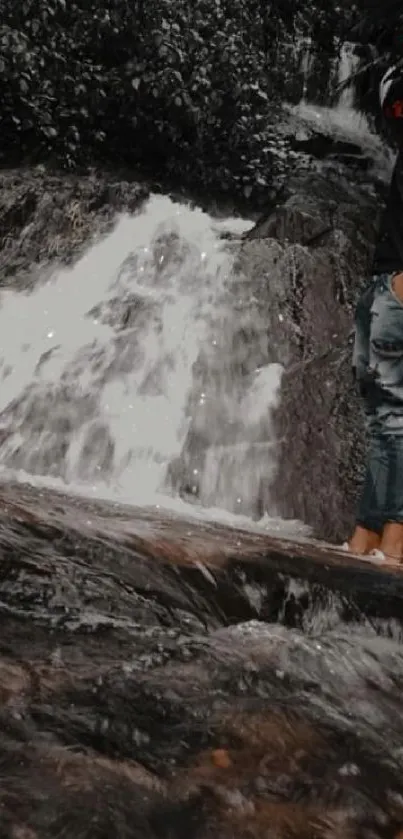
{"x":158,"y":684}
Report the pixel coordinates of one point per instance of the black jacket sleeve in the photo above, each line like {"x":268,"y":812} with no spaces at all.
{"x":388,"y":256}
{"x":391,"y":96}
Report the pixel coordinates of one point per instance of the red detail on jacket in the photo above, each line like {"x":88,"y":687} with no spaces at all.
{"x":395,"y":110}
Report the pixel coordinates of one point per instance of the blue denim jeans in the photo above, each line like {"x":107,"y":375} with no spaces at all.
{"x":378,"y":365}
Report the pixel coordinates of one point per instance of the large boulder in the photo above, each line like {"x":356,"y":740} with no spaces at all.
{"x":49,"y":217}
{"x":325,"y":228}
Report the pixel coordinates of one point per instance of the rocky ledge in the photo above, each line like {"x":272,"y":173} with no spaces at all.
{"x":48,"y":217}
{"x":155,"y":682}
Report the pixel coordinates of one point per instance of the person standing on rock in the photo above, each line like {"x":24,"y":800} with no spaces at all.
{"x":378,"y":362}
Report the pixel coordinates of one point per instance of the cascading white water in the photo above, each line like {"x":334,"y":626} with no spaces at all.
{"x":97,"y":362}
{"x":343,"y":121}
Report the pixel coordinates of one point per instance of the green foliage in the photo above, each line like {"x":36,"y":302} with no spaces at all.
{"x":185,"y":89}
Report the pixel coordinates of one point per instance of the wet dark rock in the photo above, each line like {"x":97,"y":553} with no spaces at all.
{"x":326,"y":227}
{"x":322,"y":146}
{"x":48,"y":217}
{"x":145,"y":692}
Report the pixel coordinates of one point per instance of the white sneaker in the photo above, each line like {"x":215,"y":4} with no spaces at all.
{"x":377,"y":554}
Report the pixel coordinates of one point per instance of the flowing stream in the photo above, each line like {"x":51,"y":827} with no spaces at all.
{"x":108,"y":368}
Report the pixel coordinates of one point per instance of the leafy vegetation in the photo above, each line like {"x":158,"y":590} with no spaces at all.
{"x":185,"y":90}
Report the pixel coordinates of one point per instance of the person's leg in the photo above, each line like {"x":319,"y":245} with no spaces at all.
{"x":369,"y":522}
{"x":380,"y":514}
{"x":391,"y":367}
{"x":382,"y":497}
{"x":368,"y":530}
{"x":391,"y":543}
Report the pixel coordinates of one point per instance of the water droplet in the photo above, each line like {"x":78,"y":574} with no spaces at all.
{"x":349,"y":769}
{"x":104,"y":726}
{"x":50,"y":334}
{"x":239,"y":501}
{"x":195,"y":471}
{"x":203,"y":256}
{"x":281,"y":318}
{"x":146,"y":250}
{"x":162,"y":259}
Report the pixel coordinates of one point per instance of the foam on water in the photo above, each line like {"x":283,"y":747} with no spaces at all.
{"x":96,"y":363}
